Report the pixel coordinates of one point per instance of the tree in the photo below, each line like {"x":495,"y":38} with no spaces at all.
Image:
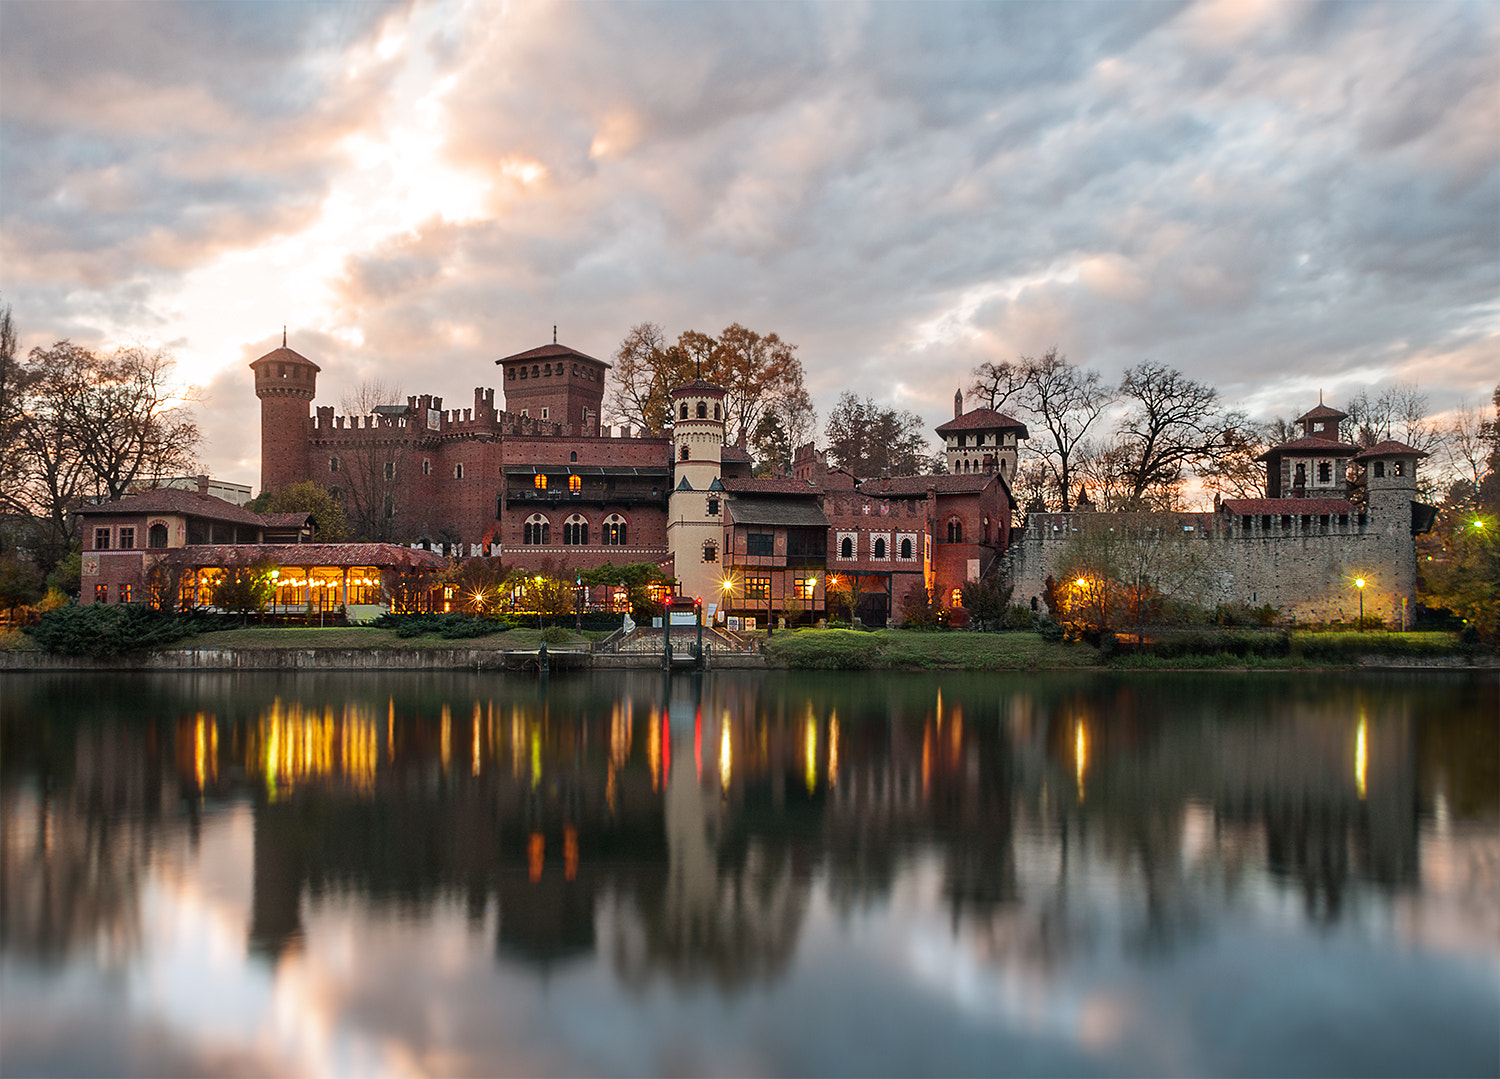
{"x":245,"y":586}
{"x":1458,"y":566}
{"x":79,"y":424}
{"x":1230,"y":468}
{"x":1174,"y":424}
{"x":987,"y":600}
{"x":373,"y":463}
{"x":918,"y":608}
{"x":1125,"y":569}
{"x":307,"y":497}
{"x":867,"y":438}
{"x":646,"y":369}
{"x":760,"y":375}
{"x":1065,"y":403}
{"x":1470,"y":443}
{"x":997,"y":383}
{"x":1399,"y":412}
{"x":771,"y":446}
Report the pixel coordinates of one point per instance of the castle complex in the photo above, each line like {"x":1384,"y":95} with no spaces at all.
{"x":541,"y":482}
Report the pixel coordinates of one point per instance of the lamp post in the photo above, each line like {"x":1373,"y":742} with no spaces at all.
{"x":578,"y":600}
{"x":1359,"y":583}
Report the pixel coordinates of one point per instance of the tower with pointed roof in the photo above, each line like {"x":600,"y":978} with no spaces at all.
{"x":556,"y":384}
{"x":286,"y":383}
{"x":695,"y":518}
{"x":981,"y":441}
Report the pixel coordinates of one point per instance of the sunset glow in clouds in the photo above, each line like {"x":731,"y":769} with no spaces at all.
{"x":1274,"y":198}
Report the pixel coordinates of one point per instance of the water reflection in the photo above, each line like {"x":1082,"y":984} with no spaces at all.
{"x":688,"y":832}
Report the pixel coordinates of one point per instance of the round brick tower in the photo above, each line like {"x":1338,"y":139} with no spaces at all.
{"x":285,"y":382}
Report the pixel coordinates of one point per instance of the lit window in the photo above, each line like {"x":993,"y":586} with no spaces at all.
{"x":757,"y":588}
{"x":540,"y":482}
{"x":575,"y":484}
{"x":1400,"y":468}
{"x":614,"y":531}
{"x":101,"y":593}
{"x":957,"y":598}
{"x":124,"y":592}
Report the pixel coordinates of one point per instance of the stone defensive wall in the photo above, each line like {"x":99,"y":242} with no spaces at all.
{"x":1305,"y":564}
{"x":427,"y":419}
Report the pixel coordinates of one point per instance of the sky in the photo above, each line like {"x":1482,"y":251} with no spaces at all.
{"x":1277,"y":199}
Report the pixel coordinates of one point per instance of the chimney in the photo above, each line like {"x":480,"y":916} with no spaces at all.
{"x":203,"y":486}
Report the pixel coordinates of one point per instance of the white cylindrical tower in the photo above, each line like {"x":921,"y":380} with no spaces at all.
{"x":695,"y":512}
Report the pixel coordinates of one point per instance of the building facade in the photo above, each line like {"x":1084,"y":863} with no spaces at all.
{"x":1306,"y":548}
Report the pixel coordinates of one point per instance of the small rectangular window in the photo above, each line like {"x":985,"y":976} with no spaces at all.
{"x":101,"y":539}
{"x":713,"y":507}
{"x":757,"y":588}
{"x":101,"y":593}
{"x":127,"y":538}
{"x":333,"y":464}
{"x":390,"y":470}
{"x":1286,"y":522}
{"x":760,"y":543}
{"x":123,"y":590}
{"x":544,"y":413}
{"x":458,"y":472}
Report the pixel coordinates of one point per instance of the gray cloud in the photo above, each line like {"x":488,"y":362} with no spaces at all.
{"x":1260,"y":196}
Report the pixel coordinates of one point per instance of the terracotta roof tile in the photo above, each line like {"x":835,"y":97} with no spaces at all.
{"x":175,"y":500}
{"x":734,"y":453}
{"x":770,"y":485}
{"x":982,"y":419}
{"x":388,"y":555}
{"x":699,"y":385}
{"x":1308,"y":446}
{"x":551,"y":352}
{"x":286,"y":355}
{"x":1390,"y":448}
{"x":916,"y":486}
{"x":1323,"y":412}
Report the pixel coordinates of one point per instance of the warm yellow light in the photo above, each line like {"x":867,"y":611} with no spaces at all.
{"x":727,"y":585}
{"x":1080,"y":582}
{"x":1359,"y":582}
{"x":1361,"y":760}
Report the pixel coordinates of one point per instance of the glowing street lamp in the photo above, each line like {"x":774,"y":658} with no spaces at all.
{"x":1359,"y":583}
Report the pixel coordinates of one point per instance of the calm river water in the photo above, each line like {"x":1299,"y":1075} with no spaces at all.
{"x":750,"y":874}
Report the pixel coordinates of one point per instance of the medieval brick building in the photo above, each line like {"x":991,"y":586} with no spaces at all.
{"x":540,"y":482}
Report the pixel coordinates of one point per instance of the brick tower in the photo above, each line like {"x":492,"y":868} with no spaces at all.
{"x":285,"y":382}
{"x":557,"y":384}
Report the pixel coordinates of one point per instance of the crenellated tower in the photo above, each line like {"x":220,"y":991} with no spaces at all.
{"x":286,"y":383}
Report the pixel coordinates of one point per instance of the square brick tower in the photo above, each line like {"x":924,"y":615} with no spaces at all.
{"x":557,"y":384}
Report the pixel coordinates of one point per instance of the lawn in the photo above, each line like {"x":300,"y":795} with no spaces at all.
{"x":911,"y":650}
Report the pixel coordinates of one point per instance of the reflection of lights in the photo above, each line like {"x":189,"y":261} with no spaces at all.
{"x":292,"y":745}
{"x":653,"y":750}
{"x":536,"y":849}
{"x":1361,"y":759}
{"x":810,"y":746}
{"x":570,"y":852}
{"x":726,"y":753}
{"x":447,"y":736}
{"x":536,"y":756}
{"x":205,"y":750}
{"x":1080,"y":754}
{"x":474,"y":745}
{"x":833,"y":749}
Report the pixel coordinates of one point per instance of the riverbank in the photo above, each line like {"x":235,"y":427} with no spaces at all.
{"x":357,"y":648}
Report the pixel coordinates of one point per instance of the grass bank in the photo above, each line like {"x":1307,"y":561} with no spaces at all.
{"x":365,"y":638}
{"x":1205,"y":649}
{"x":910,"y":650}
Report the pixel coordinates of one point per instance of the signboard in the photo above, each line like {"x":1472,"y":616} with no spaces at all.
{"x":684,"y":618}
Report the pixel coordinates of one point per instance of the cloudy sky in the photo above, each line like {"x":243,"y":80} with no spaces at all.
{"x":1275,"y":198}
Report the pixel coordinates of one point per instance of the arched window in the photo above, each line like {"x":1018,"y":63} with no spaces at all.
{"x":575,"y":484}
{"x":683,"y":414}
{"x":157,"y":536}
{"x":573,"y":457}
{"x":684,"y":451}
{"x":880,"y":547}
{"x":703,"y":410}
{"x":614,"y":531}
{"x":576,"y":530}
{"x":716,"y":413}
{"x":846,"y":549}
{"x":534,"y":370}
{"x":540,"y":482}
{"x":955,"y":530}
{"x":538,"y":530}
{"x":906,"y":548}
{"x":1301,"y":474}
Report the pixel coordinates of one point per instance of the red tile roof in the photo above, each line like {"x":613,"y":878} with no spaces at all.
{"x":550,"y":352}
{"x":286,"y":355}
{"x":285,"y":520}
{"x":699,"y":385}
{"x":1323,"y":412}
{"x":982,"y":419}
{"x":916,"y":486}
{"x":1310,"y":447}
{"x":385,"y":555}
{"x":1389,"y":448}
{"x":734,"y":453}
{"x":175,"y":500}
{"x":1293,"y":506}
{"x":769,"y":485}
